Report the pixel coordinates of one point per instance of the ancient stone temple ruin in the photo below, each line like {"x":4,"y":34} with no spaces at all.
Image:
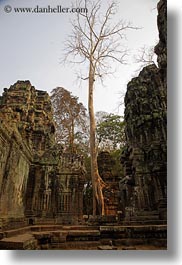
{"x":37,"y":179}
{"x":41,"y":185}
{"x":145,"y":156}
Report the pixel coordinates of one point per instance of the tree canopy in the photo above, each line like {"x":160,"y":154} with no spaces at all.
{"x":110,"y":132}
{"x":70,"y":116}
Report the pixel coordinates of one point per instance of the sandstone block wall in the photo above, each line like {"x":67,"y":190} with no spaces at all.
{"x":32,"y":165}
{"x":145,"y":155}
{"x":14,"y":169}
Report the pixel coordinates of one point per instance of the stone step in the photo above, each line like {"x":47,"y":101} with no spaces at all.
{"x":54,"y":236}
{"x":22,"y":242}
{"x":76,"y":245}
{"x":144,"y":217}
{"x":79,"y":227}
{"x":140,"y":232}
{"x":107,"y":247}
{"x":59,"y":238}
{"x":17,"y":231}
{"x":52,"y":227}
{"x":143,"y":222}
{"x":83,"y":235}
{"x":46,"y":227}
{"x":140,"y":241}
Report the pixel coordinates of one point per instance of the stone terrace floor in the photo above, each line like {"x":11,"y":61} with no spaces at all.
{"x":44,"y":237}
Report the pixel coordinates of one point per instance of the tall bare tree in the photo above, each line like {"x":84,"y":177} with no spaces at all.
{"x":96,"y":41}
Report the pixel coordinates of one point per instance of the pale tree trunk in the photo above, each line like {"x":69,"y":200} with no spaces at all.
{"x":97,"y":183}
{"x":97,"y":41}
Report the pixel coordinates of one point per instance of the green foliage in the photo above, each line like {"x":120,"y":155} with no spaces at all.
{"x":82,"y":142}
{"x":110,"y":132}
{"x":117,"y":169}
{"x":87,"y":164}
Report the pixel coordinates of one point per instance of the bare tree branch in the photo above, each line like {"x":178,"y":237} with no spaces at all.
{"x":97,"y":38}
{"x":145,"y":57}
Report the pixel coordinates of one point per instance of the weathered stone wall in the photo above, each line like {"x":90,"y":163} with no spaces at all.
{"x":55,"y":187}
{"x":14,"y":169}
{"x":161,"y":47}
{"x":145,"y":158}
{"x":31,"y":113}
{"x":4,"y":150}
{"x":106,"y":170}
{"x":32,"y":166}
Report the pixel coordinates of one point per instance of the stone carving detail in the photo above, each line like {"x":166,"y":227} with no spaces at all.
{"x":37,"y":180}
{"x":144,"y":157}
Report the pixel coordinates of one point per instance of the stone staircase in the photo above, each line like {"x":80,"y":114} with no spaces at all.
{"x":83,"y":237}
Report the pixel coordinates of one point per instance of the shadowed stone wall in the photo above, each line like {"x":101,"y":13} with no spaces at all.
{"x":145,"y":156}
{"x":15,"y":160}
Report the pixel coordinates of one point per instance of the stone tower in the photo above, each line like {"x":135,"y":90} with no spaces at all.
{"x":145,"y":156}
{"x":37,"y":180}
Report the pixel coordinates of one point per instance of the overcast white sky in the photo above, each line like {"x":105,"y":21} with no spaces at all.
{"x":31,"y":46}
